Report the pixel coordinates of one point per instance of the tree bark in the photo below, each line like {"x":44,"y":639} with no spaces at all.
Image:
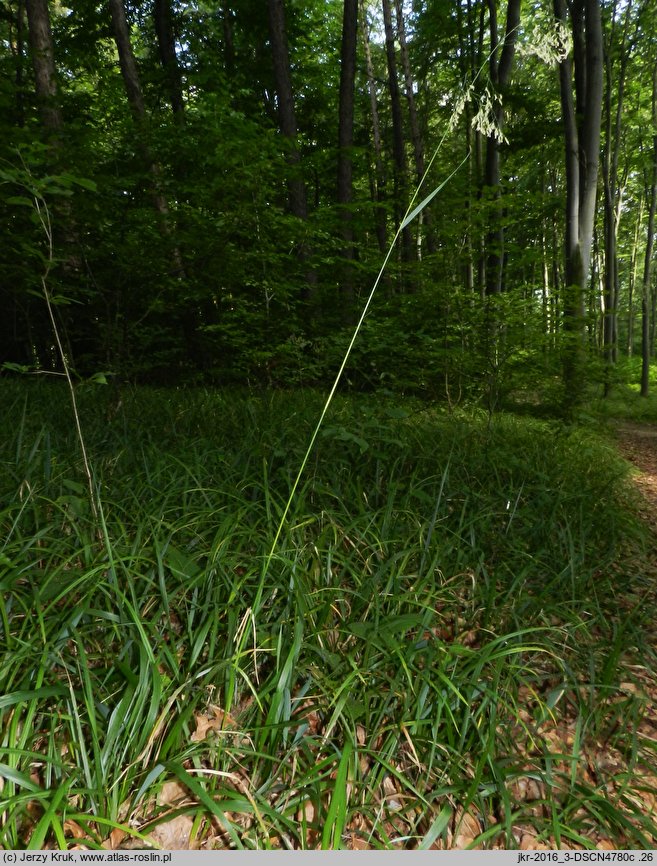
{"x":286,"y":114}
{"x":228,"y":17}
{"x":611,"y":188}
{"x":297,"y":200}
{"x":127,"y":62}
{"x":43,"y":63}
{"x":379,"y":180}
{"x":398,"y":150}
{"x":345,"y":144}
{"x":582,"y":145}
{"x":166,"y":44}
{"x":500,"y":73}
{"x":647,"y":262}
{"x":633,"y":277}
{"x":17,"y":45}
{"x":132,"y":83}
{"x":416,"y":134}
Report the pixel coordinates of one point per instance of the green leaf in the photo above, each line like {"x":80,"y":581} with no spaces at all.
{"x":18,"y":778}
{"x":15,"y":368}
{"x":218,"y":809}
{"x":337,"y":811}
{"x":48,"y":819}
{"x":416,"y":210}
{"x":438,"y":824}
{"x":85,"y":183}
{"x":21,"y":200}
{"x":99,"y":378}
{"x":25,"y":695}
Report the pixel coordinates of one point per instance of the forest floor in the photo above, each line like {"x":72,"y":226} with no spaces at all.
{"x":638,"y":444}
{"x":602,"y":765}
{"x":454,"y":644}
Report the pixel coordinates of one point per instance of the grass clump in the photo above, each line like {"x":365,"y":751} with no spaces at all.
{"x":438,"y":641}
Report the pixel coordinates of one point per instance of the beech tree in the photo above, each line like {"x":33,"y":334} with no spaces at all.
{"x":500,"y":64}
{"x":346,"y":140}
{"x":298,"y":202}
{"x":616,"y":61}
{"x":43,"y":64}
{"x":398,"y":147}
{"x":580,"y":79}
{"x":378,"y":175}
{"x":166,"y":44}
{"x":650,"y":241}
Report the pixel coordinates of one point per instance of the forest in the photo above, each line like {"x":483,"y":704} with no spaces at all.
{"x":328,"y":457}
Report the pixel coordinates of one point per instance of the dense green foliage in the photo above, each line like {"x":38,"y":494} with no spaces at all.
{"x":178,"y":259}
{"x":434,"y":571}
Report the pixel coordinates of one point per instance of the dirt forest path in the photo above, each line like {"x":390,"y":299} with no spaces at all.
{"x":638,"y":444}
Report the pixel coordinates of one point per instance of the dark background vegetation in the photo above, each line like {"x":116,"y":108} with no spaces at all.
{"x":218,"y":221}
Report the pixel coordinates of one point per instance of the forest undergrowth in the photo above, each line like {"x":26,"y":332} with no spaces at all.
{"x":454,"y":646}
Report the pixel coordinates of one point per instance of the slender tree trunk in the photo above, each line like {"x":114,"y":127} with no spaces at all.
{"x":287,"y":122}
{"x":228,"y":18}
{"x":65,"y":234}
{"x":43,"y":63}
{"x":132,"y":84}
{"x":166,"y":44}
{"x":416,"y":134}
{"x":634,"y":262}
{"x":467,"y":59}
{"x":647,"y":262}
{"x":42,"y":55}
{"x":398,"y":150}
{"x":500,"y":73}
{"x":17,"y":42}
{"x":478,"y":139}
{"x":286,"y":113}
{"x":47,"y":94}
{"x":379,"y":169}
{"x":127,"y":61}
{"x":345,"y":144}
{"x":582,"y":141}
{"x":612,"y":192}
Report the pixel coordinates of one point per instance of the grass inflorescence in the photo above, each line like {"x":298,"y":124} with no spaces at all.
{"x":439,"y":648}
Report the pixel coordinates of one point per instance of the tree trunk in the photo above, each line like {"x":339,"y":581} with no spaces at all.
{"x":127,"y":61}
{"x":379,"y":170}
{"x":17,"y":44}
{"x":582,"y":144}
{"x":47,"y":94}
{"x":500,"y":73}
{"x":647,"y":262}
{"x":287,"y":122}
{"x":632,"y":281}
{"x":286,"y":114}
{"x":416,"y":135}
{"x":398,"y":150}
{"x":166,"y":44}
{"x":132,"y":84}
{"x":43,"y":63}
{"x":228,"y":17}
{"x":345,"y":144}
{"x":612,"y":192}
